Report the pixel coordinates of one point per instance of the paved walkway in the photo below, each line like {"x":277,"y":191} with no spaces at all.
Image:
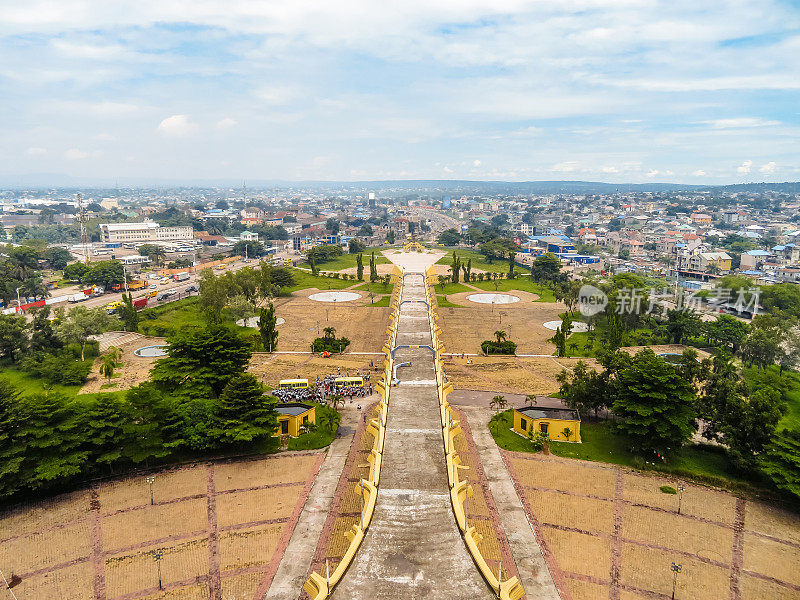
{"x":294,"y":566}
{"x":413,"y":548}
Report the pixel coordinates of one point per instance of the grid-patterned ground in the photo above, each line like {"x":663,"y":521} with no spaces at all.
{"x":221,"y":527}
{"x":481,"y":511}
{"x":346,"y":506}
{"x":610,"y":533}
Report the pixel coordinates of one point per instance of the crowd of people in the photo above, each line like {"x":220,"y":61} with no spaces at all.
{"x":326,"y":388}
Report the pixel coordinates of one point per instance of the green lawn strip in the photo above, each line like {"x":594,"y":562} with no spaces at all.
{"x":443,"y":302}
{"x":305,"y":280}
{"x":377,"y":288}
{"x":479,"y":261}
{"x":27,"y":385}
{"x":600,"y":443}
{"x":319,"y":438}
{"x":348,"y":261}
{"x":451,"y":288}
{"x":523,"y":284}
{"x":382,"y":302}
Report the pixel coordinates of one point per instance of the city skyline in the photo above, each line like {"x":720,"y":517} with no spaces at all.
{"x":592,"y":90}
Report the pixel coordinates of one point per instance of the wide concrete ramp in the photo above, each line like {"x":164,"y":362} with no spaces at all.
{"x":413,"y":548}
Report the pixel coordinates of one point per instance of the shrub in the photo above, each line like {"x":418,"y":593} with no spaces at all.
{"x":58,"y":368}
{"x":493,"y":347}
{"x":330,"y":344}
{"x":668,"y":489}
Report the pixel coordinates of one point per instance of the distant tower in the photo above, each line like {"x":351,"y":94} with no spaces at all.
{"x":84,"y":238}
{"x":244,"y":193}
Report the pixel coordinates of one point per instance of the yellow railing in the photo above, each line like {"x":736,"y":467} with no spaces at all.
{"x":460,"y":489}
{"x":319,"y":586}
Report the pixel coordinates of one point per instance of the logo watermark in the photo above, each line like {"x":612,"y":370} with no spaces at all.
{"x":591,"y":300}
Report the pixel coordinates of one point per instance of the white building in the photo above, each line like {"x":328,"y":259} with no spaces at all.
{"x":142,"y":232}
{"x":248,"y":236}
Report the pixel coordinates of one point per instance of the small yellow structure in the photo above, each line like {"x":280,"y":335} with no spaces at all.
{"x":294,"y":415}
{"x":559,"y":424}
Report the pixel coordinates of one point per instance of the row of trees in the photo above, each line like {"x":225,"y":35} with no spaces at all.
{"x":657,"y":407}
{"x":105,"y":273}
{"x":200,"y":400}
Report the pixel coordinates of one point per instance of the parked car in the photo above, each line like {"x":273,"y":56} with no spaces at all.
{"x":191,"y":288}
{"x":152,"y":286}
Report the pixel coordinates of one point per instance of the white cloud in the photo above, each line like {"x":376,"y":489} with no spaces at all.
{"x":652,"y":173}
{"x":741,"y":123}
{"x":448,"y":170}
{"x":768,"y":169}
{"x":476,"y":163}
{"x":104,"y":137}
{"x":745,"y":167}
{"x":610,"y":170}
{"x":699,"y":173}
{"x":565,"y":167}
{"x":226,"y":123}
{"x":76,"y":154}
{"x":177,"y":126}
{"x":34,"y":151}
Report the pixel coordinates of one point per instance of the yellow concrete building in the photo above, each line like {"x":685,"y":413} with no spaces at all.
{"x":559,"y":424}
{"x":292,"y":416}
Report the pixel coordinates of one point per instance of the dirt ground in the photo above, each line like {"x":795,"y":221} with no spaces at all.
{"x":516,"y":375}
{"x":463,"y":329}
{"x":271,"y":368}
{"x":133,"y":370}
{"x":608,"y":532}
{"x":221,"y":526}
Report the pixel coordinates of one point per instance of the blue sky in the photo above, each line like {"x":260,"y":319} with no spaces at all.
{"x":609,"y":90}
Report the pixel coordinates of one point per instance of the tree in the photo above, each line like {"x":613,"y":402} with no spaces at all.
{"x":80,"y":323}
{"x":727,"y":331}
{"x":329,"y":333}
{"x":201,"y":361}
{"x":455,"y":269}
{"x":128,"y":313}
{"x":390,"y":236}
{"x":530,"y":400}
{"x":105,"y":273}
{"x":214,"y":292}
{"x":245,"y":412}
{"x":12,"y":454}
{"x":655,"y":405}
{"x":373,"y":271}
{"x":356,"y":246}
{"x":13,"y":336}
{"x":360,"y":267}
{"x":781,"y":462}
{"x":103,"y":423}
{"x":500,"y":335}
{"x":682,"y":324}
{"x":762,"y":347}
{"x":152,"y":428}
{"x":154,"y":252}
{"x":511,"y":258}
{"x":268,"y":328}
{"x":546,"y":269}
{"x":497,"y":402}
{"x":58,"y":258}
{"x":108,"y":366}
{"x":449,"y":237}
{"x":75,"y":271}
{"x":222,"y":205}
{"x":332,"y":225}
{"x":248,"y":248}
{"x":467,"y":269}
{"x":43,"y":336}
{"x":365,"y":231}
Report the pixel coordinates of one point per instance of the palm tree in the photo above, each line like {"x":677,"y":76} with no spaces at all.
{"x":329,"y":333}
{"x":497,"y":402}
{"x":108,"y":366}
{"x":500,"y":335}
{"x":530,"y":400}
{"x":337,"y":399}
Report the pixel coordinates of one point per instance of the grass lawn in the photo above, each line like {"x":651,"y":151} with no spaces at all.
{"x":382,"y":301}
{"x":304,"y":280}
{"x":791,"y":419}
{"x":523,"y":284}
{"x":377,"y":287}
{"x":348,"y":261}
{"x":443,"y":302}
{"x":172,"y":316}
{"x":600,"y":443}
{"x":319,"y":438}
{"x":479,"y":261}
{"x":27,"y":385}
{"x":451,"y":288}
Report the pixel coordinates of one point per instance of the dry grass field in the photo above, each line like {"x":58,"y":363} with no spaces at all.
{"x":364,"y":325}
{"x":220,"y":528}
{"x":610,"y":533}
{"x":271,"y":368}
{"x":517,"y":375}
{"x":463,"y":329}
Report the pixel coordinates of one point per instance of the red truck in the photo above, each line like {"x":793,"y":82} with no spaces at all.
{"x":140,"y":302}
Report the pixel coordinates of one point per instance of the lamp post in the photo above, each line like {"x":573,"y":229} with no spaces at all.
{"x":675,"y":568}
{"x":681,"y":489}
{"x":19,"y":303}
{"x":150,"y":480}
{"x":157,"y":556}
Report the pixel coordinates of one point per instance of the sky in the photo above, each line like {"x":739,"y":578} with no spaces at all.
{"x":517,"y":90}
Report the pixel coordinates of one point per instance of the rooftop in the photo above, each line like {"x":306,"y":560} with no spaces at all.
{"x":292,"y":408}
{"x":544,"y":412}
